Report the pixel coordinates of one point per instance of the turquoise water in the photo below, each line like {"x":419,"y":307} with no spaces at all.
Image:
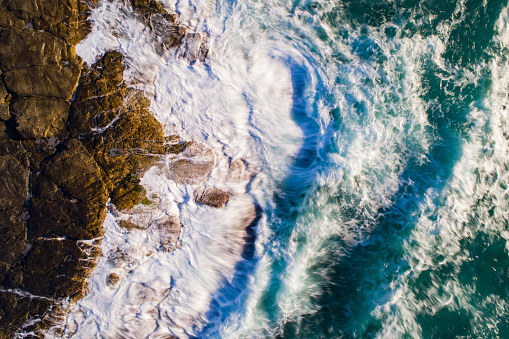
{"x":392,"y":220}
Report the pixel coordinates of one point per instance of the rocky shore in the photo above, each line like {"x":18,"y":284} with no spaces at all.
{"x":74,"y":139}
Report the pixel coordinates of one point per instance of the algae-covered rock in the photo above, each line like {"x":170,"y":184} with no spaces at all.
{"x":113,"y":122}
{"x":128,"y":193}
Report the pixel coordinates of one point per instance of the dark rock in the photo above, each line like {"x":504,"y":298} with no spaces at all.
{"x":3,"y":92}
{"x":4,"y":111}
{"x":56,"y":261}
{"x":9,"y":20}
{"x":16,"y":308}
{"x":13,"y":182}
{"x":212,"y":196}
{"x":12,"y":237}
{"x":70,"y":198}
{"x":112,"y":279}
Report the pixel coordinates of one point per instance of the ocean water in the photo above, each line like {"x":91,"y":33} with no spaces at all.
{"x":376,"y":140}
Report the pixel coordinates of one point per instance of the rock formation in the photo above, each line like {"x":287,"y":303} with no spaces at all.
{"x":212,"y":196}
{"x":64,"y":153}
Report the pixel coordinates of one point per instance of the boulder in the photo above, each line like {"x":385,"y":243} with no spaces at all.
{"x":212,"y":196}
{"x":194,"y":165}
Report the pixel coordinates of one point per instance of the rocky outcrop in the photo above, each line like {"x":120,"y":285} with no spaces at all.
{"x":113,"y":122}
{"x":60,"y":163}
{"x":52,"y":196}
{"x":169,"y":33}
{"x":72,"y":138}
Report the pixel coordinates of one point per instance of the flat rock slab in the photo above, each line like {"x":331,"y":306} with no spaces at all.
{"x":51,"y":81}
{"x":40,"y":118}
{"x":23,"y":48}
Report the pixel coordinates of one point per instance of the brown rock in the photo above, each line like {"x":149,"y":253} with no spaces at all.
{"x":112,"y":279}
{"x":40,"y":118}
{"x":15,"y":309}
{"x":23,"y":48}
{"x":12,"y":237}
{"x":128,"y":193}
{"x":66,"y":19}
{"x":9,"y":20}
{"x":13,"y":182}
{"x":147,"y":8}
{"x":39,"y":72}
{"x":51,"y":81}
{"x":3,"y":92}
{"x":61,"y":263}
{"x":4,"y":111}
{"x":115,"y":125}
{"x":102,"y":78}
{"x":212,"y":196}
{"x":70,"y":199}
{"x":196,"y":165}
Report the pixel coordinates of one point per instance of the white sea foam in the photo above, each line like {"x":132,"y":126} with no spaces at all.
{"x":238,"y":103}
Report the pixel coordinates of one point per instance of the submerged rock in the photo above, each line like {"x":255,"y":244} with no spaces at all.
{"x":193,"y":165}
